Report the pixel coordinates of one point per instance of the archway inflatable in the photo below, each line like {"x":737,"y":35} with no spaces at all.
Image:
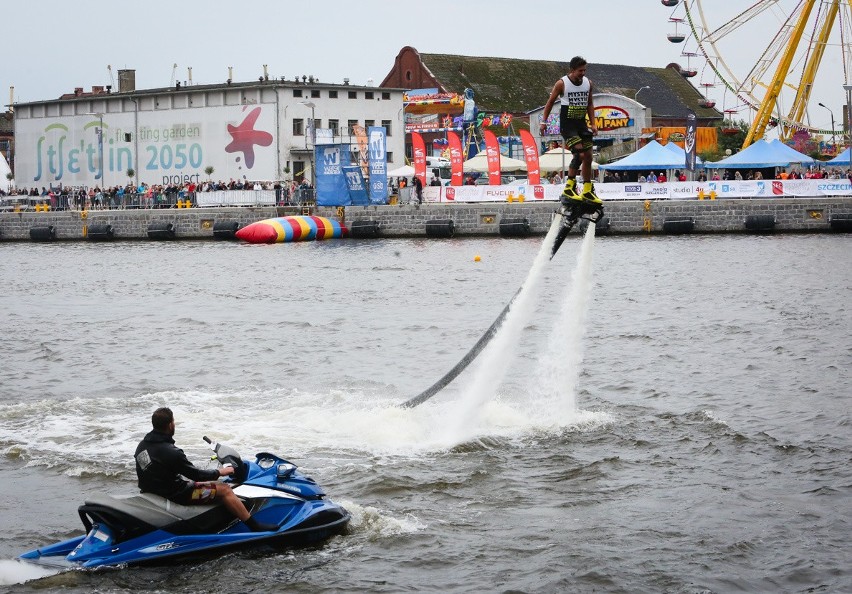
{"x":292,"y":228}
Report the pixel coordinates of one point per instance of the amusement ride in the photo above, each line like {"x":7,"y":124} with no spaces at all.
{"x":773,"y":58}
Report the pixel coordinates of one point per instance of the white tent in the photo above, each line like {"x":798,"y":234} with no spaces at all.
{"x":557,"y":159}
{"x":4,"y":170}
{"x":479,"y":164}
{"x":404,"y":171}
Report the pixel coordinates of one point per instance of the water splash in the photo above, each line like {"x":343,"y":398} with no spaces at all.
{"x":18,"y":572}
{"x":558,"y":369}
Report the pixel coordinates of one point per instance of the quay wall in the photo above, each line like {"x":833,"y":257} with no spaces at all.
{"x":623,"y":217}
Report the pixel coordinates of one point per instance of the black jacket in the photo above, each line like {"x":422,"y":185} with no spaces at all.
{"x":160,"y":464}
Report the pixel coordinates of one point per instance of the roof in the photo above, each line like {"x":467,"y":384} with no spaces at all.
{"x":515,"y":85}
{"x":7,"y":124}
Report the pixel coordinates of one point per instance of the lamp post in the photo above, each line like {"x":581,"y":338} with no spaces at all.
{"x":313,"y":142}
{"x":635,"y":95}
{"x":100,"y":133}
{"x":833,"y":139}
{"x":848,"y":89}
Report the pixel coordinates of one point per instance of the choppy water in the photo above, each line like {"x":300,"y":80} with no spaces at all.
{"x":669,"y":415}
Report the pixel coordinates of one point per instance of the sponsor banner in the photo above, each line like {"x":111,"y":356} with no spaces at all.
{"x":378,"y":165}
{"x":456,"y":159}
{"x":816,"y":188}
{"x":689,"y":142}
{"x":175,"y":147}
{"x":418,"y":148}
{"x":331,"y":187}
{"x":356,"y":185}
{"x":492,"y":152}
{"x":531,"y":156}
{"x":236,"y":198}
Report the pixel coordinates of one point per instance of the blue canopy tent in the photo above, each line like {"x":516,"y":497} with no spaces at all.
{"x":653,"y":157}
{"x":678,"y":150}
{"x":761,"y":155}
{"x":840,"y":160}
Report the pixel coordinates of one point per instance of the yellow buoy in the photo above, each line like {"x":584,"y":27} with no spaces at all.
{"x":476,"y":258}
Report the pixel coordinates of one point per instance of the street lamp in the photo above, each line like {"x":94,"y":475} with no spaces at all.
{"x":635,"y":95}
{"x":833,"y":140}
{"x":313,"y":141}
{"x":100,"y":133}
{"x":848,"y":89}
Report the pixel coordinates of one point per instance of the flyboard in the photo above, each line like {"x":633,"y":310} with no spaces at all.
{"x":569,"y":215}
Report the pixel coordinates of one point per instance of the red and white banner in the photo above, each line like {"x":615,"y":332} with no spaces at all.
{"x":456,"y":159}
{"x":492,"y":152}
{"x":760,"y":189}
{"x":418,"y":148}
{"x":531,"y":156}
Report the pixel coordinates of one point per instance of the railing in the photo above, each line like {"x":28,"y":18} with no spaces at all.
{"x":217,"y":198}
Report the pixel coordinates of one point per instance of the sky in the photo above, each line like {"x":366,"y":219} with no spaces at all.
{"x":54,"y":46}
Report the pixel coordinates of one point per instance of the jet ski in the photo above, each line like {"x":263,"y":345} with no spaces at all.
{"x":146,"y":528}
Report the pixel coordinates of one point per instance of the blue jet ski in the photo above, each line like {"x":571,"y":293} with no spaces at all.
{"x":147,"y":528}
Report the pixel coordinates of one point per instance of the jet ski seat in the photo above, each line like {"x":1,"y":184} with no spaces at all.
{"x":149,"y":508}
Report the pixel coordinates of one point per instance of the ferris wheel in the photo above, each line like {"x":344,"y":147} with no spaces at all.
{"x":774,"y":58}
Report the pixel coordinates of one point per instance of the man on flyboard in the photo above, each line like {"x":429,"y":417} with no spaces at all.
{"x":574,"y":92}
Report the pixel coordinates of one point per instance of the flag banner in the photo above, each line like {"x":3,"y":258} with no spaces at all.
{"x":419,"y":150}
{"x":531,"y":156}
{"x":492,"y":152}
{"x":456,"y":159}
{"x":378,"y":164}
{"x":356,"y":185}
{"x":331,"y":187}
{"x":689,"y":140}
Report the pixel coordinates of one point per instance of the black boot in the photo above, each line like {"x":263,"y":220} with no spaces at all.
{"x":257,"y":526}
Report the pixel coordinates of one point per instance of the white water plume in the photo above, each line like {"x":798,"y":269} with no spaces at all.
{"x":558,"y":368}
{"x":491,"y":368}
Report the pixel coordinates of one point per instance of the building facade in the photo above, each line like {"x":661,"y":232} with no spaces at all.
{"x":258,"y":131}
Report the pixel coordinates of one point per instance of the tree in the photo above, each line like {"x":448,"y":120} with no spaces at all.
{"x":130,"y":173}
{"x":209,"y":171}
{"x":10,"y":176}
{"x":731,"y":134}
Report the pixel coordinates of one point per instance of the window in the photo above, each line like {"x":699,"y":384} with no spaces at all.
{"x":315,"y":93}
{"x":386,"y":124}
{"x":353,"y":94}
{"x":368,"y":123}
{"x":318,"y":123}
{"x":332,"y":94}
{"x":386,"y":96}
{"x":298,"y":170}
{"x":335,"y":127}
{"x":368,"y":95}
{"x":390,"y":156}
{"x":352,"y":124}
{"x":297,"y":92}
{"x":298,"y":127}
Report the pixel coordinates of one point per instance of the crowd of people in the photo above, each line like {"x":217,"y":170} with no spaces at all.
{"x":153,"y":195}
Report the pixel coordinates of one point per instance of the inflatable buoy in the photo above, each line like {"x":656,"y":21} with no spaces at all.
{"x":292,"y":228}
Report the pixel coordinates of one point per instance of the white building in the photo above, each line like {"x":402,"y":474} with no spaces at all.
{"x":259,"y":131}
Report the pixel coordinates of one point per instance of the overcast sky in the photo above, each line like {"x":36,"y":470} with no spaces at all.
{"x":52,"y":46}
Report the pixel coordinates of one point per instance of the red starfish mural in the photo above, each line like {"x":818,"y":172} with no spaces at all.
{"x":245,"y":137}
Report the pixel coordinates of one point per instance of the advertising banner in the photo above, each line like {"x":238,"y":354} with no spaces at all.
{"x":331,"y":189}
{"x":531,"y":156}
{"x":418,"y":148}
{"x":492,"y":152}
{"x":356,"y":185}
{"x":174,"y":147}
{"x":689,"y":141}
{"x":456,"y":159}
{"x":378,"y":165}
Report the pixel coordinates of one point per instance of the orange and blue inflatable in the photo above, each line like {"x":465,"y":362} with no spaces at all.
{"x":292,"y":228}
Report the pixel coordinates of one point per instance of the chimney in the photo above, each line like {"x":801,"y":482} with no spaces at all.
{"x":126,"y":81}
{"x":97,"y":90}
{"x":78,"y":91}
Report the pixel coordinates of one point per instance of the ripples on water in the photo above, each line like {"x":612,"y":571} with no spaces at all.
{"x":707,"y":450}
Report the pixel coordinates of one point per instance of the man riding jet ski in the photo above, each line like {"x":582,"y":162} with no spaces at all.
{"x":173,"y":517}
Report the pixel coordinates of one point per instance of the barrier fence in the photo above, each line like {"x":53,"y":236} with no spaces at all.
{"x":220,"y":198}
